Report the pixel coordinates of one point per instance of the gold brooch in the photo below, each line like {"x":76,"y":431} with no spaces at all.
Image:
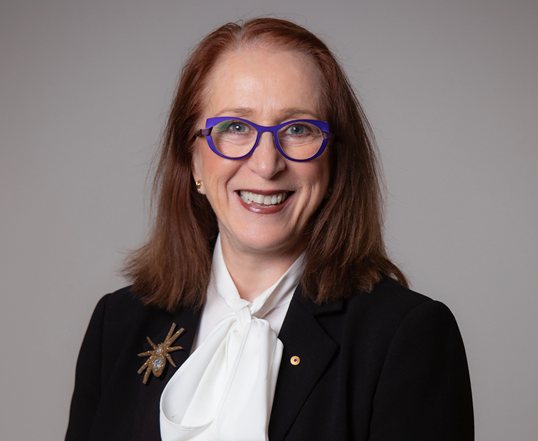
{"x":159,"y":355}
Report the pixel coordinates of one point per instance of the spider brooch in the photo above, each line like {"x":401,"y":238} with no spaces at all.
{"x":157,"y":358}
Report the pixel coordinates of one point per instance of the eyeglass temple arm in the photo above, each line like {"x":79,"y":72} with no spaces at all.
{"x":327,"y":135}
{"x":205,"y":132}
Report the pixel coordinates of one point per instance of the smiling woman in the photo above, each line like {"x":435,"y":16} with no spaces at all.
{"x":267,"y":252}
{"x":267,"y":84}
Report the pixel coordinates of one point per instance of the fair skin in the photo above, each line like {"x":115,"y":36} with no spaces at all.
{"x":267,"y":86}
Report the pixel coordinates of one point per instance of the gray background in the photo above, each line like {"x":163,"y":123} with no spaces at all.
{"x":449,"y":86}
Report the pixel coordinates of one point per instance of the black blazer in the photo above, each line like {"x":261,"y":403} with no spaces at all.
{"x":382,"y":366}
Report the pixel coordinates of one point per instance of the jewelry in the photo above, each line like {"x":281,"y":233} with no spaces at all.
{"x":198,"y":186}
{"x":157,"y":358}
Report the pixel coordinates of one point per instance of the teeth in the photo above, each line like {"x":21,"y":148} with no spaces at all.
{"x":274,"y":199}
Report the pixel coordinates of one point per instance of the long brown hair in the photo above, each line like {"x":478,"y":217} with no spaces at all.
{"x":345,"y":250}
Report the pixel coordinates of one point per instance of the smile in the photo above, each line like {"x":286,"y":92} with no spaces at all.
{"x":262,"y":199}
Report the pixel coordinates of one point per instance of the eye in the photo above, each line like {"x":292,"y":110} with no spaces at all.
{"x":297,"y":129}
{"x":233,"y":127}
{"x":238,"y":127}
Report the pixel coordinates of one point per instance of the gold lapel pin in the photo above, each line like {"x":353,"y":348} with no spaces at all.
{"x":157,"y":358}
{"x":295,"y":360}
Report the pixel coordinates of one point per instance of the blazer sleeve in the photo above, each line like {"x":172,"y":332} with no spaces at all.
{"x":87,"y":390}
{"x":424,"y":390}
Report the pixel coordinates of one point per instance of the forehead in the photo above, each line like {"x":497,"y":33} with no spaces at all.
{"x":264,"y":79}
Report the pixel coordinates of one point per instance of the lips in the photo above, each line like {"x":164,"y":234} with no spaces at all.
{"x":271,"y":199}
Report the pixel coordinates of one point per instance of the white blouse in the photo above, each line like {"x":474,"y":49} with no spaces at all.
{"x":225,"y":389}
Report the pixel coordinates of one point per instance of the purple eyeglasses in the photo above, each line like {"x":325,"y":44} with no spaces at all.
{"x":236,"y":138}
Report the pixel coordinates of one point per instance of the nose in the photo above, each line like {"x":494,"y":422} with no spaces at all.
{"x":266,"y":160}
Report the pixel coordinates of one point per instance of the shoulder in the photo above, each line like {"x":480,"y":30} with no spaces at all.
{"x":401,"y":328}
{"x":121,"y":317}
{"x":390,"y":304}
{"x":124,"y":306}
{"x":390,"y":295}
{"x":389,"y":313}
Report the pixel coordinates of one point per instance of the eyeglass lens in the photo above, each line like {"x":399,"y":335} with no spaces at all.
{"x":298,"y":140}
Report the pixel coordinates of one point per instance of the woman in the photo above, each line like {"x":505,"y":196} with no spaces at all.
{"x":268,"y":224}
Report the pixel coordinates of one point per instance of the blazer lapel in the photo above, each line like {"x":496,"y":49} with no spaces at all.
{"x":146,"y":426}
{"x":304,"y":338}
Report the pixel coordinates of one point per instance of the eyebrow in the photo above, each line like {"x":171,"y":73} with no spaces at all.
{"x":289,"y":113}
{"x":235,"y":111}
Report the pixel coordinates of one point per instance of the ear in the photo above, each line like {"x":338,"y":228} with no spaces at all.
{"x":196,"y":167}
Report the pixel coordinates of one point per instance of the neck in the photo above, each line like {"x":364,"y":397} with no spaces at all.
{"x":254,"y":272}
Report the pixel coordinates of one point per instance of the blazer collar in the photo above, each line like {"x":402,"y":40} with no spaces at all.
{"x":302,"y":337}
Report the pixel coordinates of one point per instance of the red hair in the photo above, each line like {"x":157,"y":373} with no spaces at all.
{"x":346,"y":249}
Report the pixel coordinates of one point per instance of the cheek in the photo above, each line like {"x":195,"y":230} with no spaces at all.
{"x":320,"y":177}
{"x":207,"y":165}
{"x":315,"y":181}
{"x":217,"y":172}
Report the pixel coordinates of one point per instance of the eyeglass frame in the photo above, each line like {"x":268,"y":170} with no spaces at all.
{"x":212,"y":122}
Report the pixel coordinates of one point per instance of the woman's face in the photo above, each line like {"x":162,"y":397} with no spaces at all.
{"x":266,"y":86}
